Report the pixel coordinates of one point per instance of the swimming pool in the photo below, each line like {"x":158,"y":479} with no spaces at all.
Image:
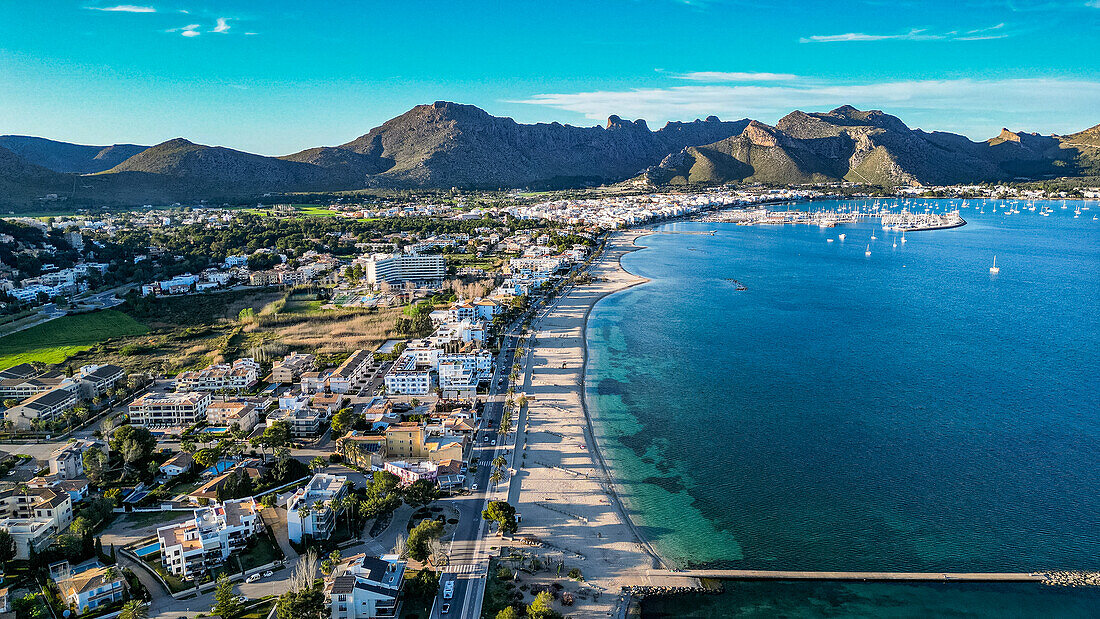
{"x":147,"y":550}
{"x":218,"y":430}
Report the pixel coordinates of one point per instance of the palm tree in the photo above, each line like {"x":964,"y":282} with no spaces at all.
{"x":496,"y":477}
{"x":499,"y":461}
{"x":134,"y":609}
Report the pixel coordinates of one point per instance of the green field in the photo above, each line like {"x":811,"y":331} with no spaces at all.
{"x":57,"y":340}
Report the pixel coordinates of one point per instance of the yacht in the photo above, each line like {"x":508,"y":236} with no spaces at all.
{"x":993,"y":270}
{"x":868,"y":252}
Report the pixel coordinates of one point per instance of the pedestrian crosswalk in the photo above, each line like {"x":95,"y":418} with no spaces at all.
{"x":465,"y":568}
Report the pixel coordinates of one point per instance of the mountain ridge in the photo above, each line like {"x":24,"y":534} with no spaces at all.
{"x":445,"y":144}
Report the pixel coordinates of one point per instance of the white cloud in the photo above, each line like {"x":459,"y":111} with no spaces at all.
{"x":190,"y":30}
{"x":123,"y":8}
{"x":722,"y":76}
{"x":1094,"y":4}
{"x":916,"y":34}
{"x":971,"y":106}
{"x":223,"y":25}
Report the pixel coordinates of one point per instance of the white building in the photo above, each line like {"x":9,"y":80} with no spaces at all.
{"x":407,"y":378}
{"x":242,"y":374}
{"x":34,"y":517}
{"x":196,"y":546}
{"x":396,"y":268}
{"x":365,"y":587}
{"x":169,"y":409}
{"x":310,"y":511}
{"x":89,"y":589}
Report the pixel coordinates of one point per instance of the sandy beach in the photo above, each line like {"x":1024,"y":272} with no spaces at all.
{"x":563,"y":491}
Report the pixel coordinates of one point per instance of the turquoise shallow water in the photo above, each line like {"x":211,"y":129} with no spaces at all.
{"x":903,"y":411}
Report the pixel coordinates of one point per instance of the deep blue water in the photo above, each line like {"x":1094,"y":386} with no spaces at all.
{"x":903,"y":411}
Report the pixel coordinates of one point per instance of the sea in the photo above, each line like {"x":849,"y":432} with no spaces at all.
{"x":902,"y":410}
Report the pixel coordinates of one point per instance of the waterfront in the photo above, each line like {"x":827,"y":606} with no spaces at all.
{"x":898,"y":411}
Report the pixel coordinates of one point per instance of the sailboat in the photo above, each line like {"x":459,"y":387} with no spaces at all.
{"x":868,"y":252}
{"x":841,"y":237}
{"x":993,"y":270}
{"x":903,"y":238}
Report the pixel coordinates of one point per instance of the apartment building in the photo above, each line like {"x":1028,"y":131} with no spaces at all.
{"x":242,"y":374}
{"x":97,"y":380}
{"x":413,"y":441}
{"x":407,"y":378}
{"x":34,"y":517}
{"x":365,"y":587}
{"x":291,"y":368}
{"x":349,"y":374}
{"x":397,"y":268}
{"x":226,"y":414}
{"x":312,"y":510}
{"x":195,"y":547}
{"x":305,"y":421}
{"x":22,"y":387}
{"x":44,"y":406}
{"x":169,"y":409}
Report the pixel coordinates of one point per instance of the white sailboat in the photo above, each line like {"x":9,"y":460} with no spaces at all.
{"x":868,"y":252}
{"x":993,"y":270}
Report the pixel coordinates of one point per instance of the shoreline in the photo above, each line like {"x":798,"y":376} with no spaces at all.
{"x":567,"y":493}
{"x":597,"y":453}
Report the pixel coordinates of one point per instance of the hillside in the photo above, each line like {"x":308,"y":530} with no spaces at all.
{"x":867,"y":147}
{"x":182,"y":169}
{"x":66,"y":157}
{"x":21,"y":182}
{"x":445,"y":145}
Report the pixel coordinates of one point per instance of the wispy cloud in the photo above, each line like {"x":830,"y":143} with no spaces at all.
{"x":723,"y":76}
{"x":123,"y":8}
{"x":970,"y":106}
{"x":1093,"y":4}
{"x":916,"y":34}
{"x":190,"y":30}
{"x":222,"y":25}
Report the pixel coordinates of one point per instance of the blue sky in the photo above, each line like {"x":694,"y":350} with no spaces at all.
{"x":275,"y":77}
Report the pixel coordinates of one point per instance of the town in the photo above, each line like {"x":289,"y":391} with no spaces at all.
{"x":255,"y":397}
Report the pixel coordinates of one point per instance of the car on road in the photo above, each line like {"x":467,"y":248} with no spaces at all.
{"x":449,"y":590}
{"x":446,"y":609}
{"x":242,"y":598}
{"x":474,"y":487}
{"x":268,"y":573}
{"x":253,"y":578}
{"x":494,"y":442}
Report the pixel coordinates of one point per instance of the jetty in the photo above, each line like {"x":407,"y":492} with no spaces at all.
{"x":1051,"y":578}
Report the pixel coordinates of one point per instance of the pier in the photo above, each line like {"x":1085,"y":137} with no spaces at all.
{"x":1050,"y":578}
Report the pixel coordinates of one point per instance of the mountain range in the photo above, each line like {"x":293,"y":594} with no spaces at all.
{"x":445,"y":145}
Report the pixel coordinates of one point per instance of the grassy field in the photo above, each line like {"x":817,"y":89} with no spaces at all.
{"x":57,"y":340}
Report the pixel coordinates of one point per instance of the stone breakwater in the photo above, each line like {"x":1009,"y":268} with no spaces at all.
{"x":1072,"y":579}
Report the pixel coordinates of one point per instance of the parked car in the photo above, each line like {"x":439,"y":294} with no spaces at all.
{"x":268,"y":573}
{"x":253,"y":578}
